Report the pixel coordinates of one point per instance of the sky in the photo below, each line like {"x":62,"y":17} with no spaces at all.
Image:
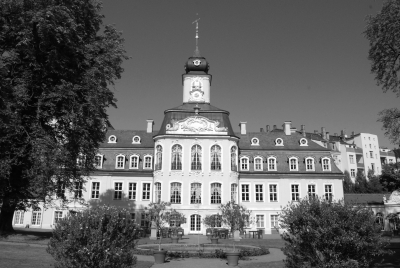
{"x":271,"y":61}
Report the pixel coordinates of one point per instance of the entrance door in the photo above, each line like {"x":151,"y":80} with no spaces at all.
{"x":195,"y":223}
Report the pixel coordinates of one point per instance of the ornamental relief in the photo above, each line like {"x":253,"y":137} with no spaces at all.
{"x":216,"y":173}
{"x":158,"y":173}
{"x":196,"y":173}
{"x":196,"y":125}
{"x":176,"y":173}
{"x":234,"y":174}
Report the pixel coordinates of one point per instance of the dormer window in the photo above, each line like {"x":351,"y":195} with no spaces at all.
{"x":255,"y":142}
{"x":134,"y":162}
{"x":244,"y":163}
{"x":310,"y":164}
{"x":271,"y":163}
{"x":303,"y":142}
{"x":147,"y":162}
{"x":326,"y":164}
{"x":293,"y":164}
{"x":258,"y":163}
{"x":98,"y":161}
{"x":278,"y":142}
{"x":120,"y":162}
{"x":112,"y":139}
{"x":136,"y":140}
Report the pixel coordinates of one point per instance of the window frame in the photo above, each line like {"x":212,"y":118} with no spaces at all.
{"x":257,"y":221}
{"x":132,"y":194}
{"x":236,"y":192}
{"x":101,"y":161}
{"x":197,"y":163}
{"x":145,"y":191}
{"x":56,"y":219}
{"x":312,"y":163}
{"x":241,"y":163}
{"x":243,"y":193}
{"x":19,"y":220}
{"x":131,"y":161}
{"x":217,"y":197}
{"x":261,"y":163}
{"x":295,"y":196}
{"x":305,"y":142}
{"x":279,"y":142}
{"x":110,"y":137}
{"x":234,"y":167}
{"x":352,"y":173}
{"x":173,"y":198}
{"x":138,"y":141}
{"x":258,"y":194}
{"x":157,"y":191}
{"x":328,"y":193}
{"x":323,"y":164}
{"x":275,"y":194}
{"x":95,"y":191}
{"x":312,"y":194}
{"x":212,"y":158}
{"x":254,"y":141}
{"x":178,"y":165}
{"x":351,"y":159}
{"x":37,"y":214}
{"x":151,"y":161}
{"x":296,"y":162}
{"x":120,"y":191}
{"x":276,"y":216}
{"x":201,"y":193}
{"x":123,"y":161}
{"x":274,"y":163}
{"x":159,"y":157}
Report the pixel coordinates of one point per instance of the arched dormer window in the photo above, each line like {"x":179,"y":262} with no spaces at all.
{"x":255,"y":142}
{"x":136,"y":140}
{"x":293,"y":164}
{"x":98,"y":161}
{"x":147,"y":162}
{"x":159,"y":151}
{"x":233,"y":158}
{"x":326,"y":164}
{"x":310,"y":165}
{"x":176,"y":156}
{"x":271,"y":163}
{"x":195,"y":155}
{"x":278,"y":142}
{"x":244,"y":163}
{"x":258,"y":163}
{"x":120,"y":161}
{"x":303,"y":142}
{"x":112,"y":139}
{"x":215,"y":158}
{"x":134,"y":162}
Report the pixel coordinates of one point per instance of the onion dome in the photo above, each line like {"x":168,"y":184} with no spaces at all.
{"x":197,"y":63}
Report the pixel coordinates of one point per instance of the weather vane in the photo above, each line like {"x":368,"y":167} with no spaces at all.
{"x":197,"y":52}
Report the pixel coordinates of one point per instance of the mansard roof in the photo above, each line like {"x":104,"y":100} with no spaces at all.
{"x":125,"y":139}
{"x":370,"y":199}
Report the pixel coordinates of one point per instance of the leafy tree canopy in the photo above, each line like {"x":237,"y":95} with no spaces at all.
{"x":57,"y":62}
{"x":390,"y":177}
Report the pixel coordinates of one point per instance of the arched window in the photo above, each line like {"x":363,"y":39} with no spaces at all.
{"x":134,"y":162}
{"x":293,"y":164}
{"x":120,"y":163}
{"x":233,"y":158}
{"x":176,"y":189}
{"x":19,"y":217}
{"x":158,"y":165}
{"x":271,"y":164}
{"x":309,"y":164}
{"x":157,"y":192}
{"x":326,"y":164}
{"x":147,"y":162}
{"x":36,"y":216}
{"x":234,"y":189}
{"x":196,"y":157}
{"x":176,"y":157}
{"x":216,"y":193}
{"x":195,"y":223}
{"x":195,"y":193}
{"x":216,"y":158}
{"x":258,"y":165}
{"x":244,"y":163}
{"x":380,"y":221}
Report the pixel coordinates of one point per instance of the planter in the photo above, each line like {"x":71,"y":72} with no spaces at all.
{"x":174,"y":240}
{"x":214,"y":240}
{"x":179,"y":236}
{"x":159,"y":256}
{"x":233,"y":258}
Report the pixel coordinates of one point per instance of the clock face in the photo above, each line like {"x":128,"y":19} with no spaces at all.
{"x":197,"y":62}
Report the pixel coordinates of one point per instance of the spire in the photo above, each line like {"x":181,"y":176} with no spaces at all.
{"x":197,"y":52}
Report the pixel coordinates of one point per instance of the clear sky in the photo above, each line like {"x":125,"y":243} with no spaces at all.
{"x":271,"y":61}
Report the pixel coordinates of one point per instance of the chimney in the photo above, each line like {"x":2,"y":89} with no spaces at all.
{"x":315,"y":131}
{"x":352,"y":133}
{"x":267,"y":128}
{"x":323,"y":133}
{"x":343,"y":133}
{"x":286,"y":128}
{"x":150,"y":124}
{"x":327,"y":136}
{"x":242,"y":126}
{"x":261,"y":130}
{"x":303,"y":130}
{"x":274,"y":127}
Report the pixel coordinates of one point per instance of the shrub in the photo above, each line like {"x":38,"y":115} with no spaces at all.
{"x":100,"y":237}
{"x":321,"y":233}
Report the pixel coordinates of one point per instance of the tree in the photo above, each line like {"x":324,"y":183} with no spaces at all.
{"x":56,"y":67}
{"x":383,"y":34}
{"x":235,"y":216}
{"x":348,"y":185}
{"x":100,"y":237}
{"x":390,"y":177}
{"x":361,"y":184}
{"x":373,"y":184}
{"x":320,"y":233}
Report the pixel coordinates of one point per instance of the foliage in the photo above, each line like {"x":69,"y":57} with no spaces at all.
{"x":212,"y":221}
{"x":100,"y":237}
{"x":390,"y":177}
{"x":373,"y":186}
{"x":348,"y":185}
{"x":320,"y":233}
{"x":361,"y":183}
{"x":235,"y":216}
{"x":56,"y":67}
{"x":383,"y":34}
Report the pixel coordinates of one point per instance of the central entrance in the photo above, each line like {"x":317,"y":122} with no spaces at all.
{"x":195,"y":224}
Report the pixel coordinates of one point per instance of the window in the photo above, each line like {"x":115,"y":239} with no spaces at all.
{"x":176,"y":157}
{"x":233,"y":158}
{"x":303,"y":142}
{"x":255,"y":141}
{"x":311,"y":191}
{"x":309,"y":164}
{"x":260,"y":221}
{"x":112,"y":139}
{"x":19,"y":217}
{"x":95,"y":190}
{"x":328,"y":192}
{"x":98,"y":161}
{"x":274,"y":221}
{"x":136,"y":139}
{"x":134,"y":162}
{"x":293,"y":164}
{"x":244,"y":163}
{"x":273,"y":192}
{"x":144,"y":220}
{"x":371,"y":154}
{"x":380,"y":221}
{"x":120,"y":163}
{"x":353,"y":173}
{"x":259,"y":193}
{"x":295,"y":192}
{"x":78,"y":190}
{"x":196,"y":157}
{"x":195,"y":223}
{"x":158,"y":165}
{"x":245,"y":192}
{"x":146,"y":191}
{"x":36,"y":216}
{"x":175,"y":193}
{"x":326,"y":164}
{"x":278,"y":142}
{"x":57,"y":216}
{"x":272,"y":164}
{"x":117,"y":190}
{"x":258,"y":164}
{"x":373,"y":167}
{"x":234,"y":192}
{"x":133,"y":217}
{"x":157,"y":192}
{"x":216,"y":158}
{"x":215,"y":193}
{"x":60,"y":189}
{"x":195,"y":193}
{"x":147,"y":162}
{"x":351,"y":158}
{"x":132,"y":191}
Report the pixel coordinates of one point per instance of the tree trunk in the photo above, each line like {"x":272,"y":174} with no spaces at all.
{"x":6,"y":217}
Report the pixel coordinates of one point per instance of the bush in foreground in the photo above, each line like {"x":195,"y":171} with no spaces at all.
{"x":320,"y":233}
{"x":100,"y":237}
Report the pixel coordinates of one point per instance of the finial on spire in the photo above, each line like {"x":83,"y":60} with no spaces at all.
{"x":197,"y":52}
